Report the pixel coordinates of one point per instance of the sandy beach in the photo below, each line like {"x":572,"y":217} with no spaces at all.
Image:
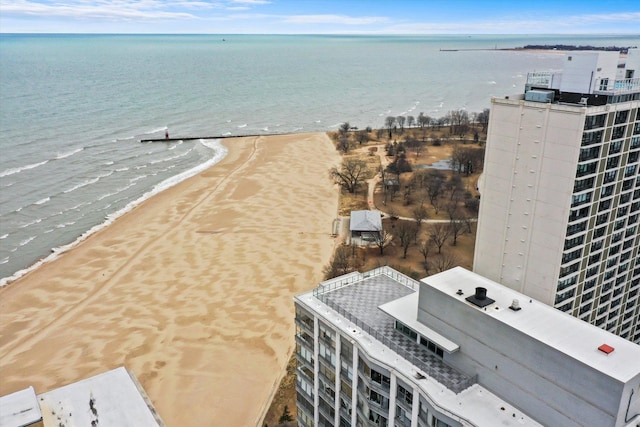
{"x":192,"y":290}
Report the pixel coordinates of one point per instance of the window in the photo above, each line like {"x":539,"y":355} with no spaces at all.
{"x":579,"y":214}
{"x":591,"y":271}
{"x":621,"y":117}
{"x":615,"y":147}
{"x":565,"y":283}
{"x":630,"y":170}
{"x":583,"y":184}
{"x":586,"y":169}
{"x":571,"y":256}
{"x":627,"y":184}
{"x":604,"y":205}
{"x":576,"y":228}
{"x":404,"y":395}
{"x":618,"y":132}
{"x":572,"y":243}
{"x":613,"y":162}
{"x":607,"y":191}
{"x":406,"y":330}
{"x":610,"y":176}
{"x":618,"y":224}
{"x":595,"y":258}
{"x":565,"y":295}
{"x":633,"y":157}
{"x":604,"y":83}
{"x":589,"y":153}
{"x":593,"y":122}
{"x":596,"y":246}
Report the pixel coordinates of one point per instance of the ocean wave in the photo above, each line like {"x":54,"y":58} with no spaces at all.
{"x":220,"y":151}
{"x":242,"y":126}
{"x":4,"y":260}
{"x":61,"y":156}
{"x":27,"y":240}
{"x":13,"y":171}
{"x":4,"y":236}
{"x":155,"y":130}
{"x":82,"y":184}
{"x":42,"y":201}
{"x":30,"y":223}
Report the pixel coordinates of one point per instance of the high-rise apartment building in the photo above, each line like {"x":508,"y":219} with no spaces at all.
{"x":560,"y":205}
{"x":455,"y":349}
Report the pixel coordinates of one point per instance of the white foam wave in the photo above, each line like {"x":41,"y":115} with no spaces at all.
{"x":82,"y":184}
{"x":42,"y":201}
{"x":27,"y":240}
{"x":155,"y":130}
{"x":4,"y":260}
{"x":108,"y":163}
{"x":220,"y":152}
{"x":68,"y":154}
{"x":4,"y":236}
{"x":35,"y":221}
{"x":242,"y":126}
{"x":13,"y":171}
{"x":226,"y":134}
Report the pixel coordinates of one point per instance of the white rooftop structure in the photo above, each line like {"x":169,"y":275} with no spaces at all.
{"x":553,"y":328}
{"x":365,"y":221}
{"x":110,"y":399}
{"x":20,"y":409}
{"x":455,"y":349}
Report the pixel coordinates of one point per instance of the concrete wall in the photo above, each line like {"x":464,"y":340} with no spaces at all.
{"x":548,"y":385}
{"x":530,"y":166}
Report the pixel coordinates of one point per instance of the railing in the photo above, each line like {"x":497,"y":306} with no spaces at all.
{"x":399,"y":349}
{"x":351,"y":278}
{"x":540,"y":78}
{"x":618,"y":87}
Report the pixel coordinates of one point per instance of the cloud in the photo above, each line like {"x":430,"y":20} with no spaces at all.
{"x":507,"y":25}
{"x":140,"y":10}
{"x":334,"y":19}
{"x":251,"y":1}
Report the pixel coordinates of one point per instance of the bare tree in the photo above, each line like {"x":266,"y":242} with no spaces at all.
{"x":400,"y":120}
{"x":406,"y":232}
{"x":410,"y":121}
{"x":444,"y":262}
{"x":483,"y":118}
{"x":419,"y":214}
{"x":362,"y":136}
{"x":351,"y":173}
{"x":424,"y":247}
{"x":381,"y":238}
{"x":340,"y":263}
{"x":439,"y":233}
{"x":344,"y":143}
{"x":456,"y":222}
{"x":389,"y":122}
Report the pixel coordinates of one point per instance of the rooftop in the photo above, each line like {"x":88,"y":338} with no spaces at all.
{"x":365,"y":221}
{"x":351,"y":302}
{"x":110,"y":399}
{"x":19,"y":409}
{"x":359,"y":303}
{"x":565,"y":333}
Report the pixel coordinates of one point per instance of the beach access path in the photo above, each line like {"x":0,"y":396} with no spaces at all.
{"x":192,"y":290}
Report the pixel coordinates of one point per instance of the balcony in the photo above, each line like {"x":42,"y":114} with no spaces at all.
{"x":617,"y":87}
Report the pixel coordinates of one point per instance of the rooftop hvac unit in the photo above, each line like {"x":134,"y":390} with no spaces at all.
{"x":539,"y":96}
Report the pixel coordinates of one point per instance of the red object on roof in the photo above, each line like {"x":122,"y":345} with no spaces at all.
{"x":606,"y":348}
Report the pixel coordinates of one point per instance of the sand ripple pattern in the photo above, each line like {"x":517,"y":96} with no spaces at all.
{"x":192,"y":290}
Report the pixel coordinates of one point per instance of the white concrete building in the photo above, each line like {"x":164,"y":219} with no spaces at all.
{"x":560,"y":206}
{"x":456,"y":349}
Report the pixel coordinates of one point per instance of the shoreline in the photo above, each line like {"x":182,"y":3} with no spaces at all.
{"x":109,"y":219}
{"x":191,"y":289}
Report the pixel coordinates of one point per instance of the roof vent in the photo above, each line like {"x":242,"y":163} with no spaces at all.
{"x":515,"y":305}
{"x":606,"y":348}
{"x":459,"y":292}
{"x":480,"y":298}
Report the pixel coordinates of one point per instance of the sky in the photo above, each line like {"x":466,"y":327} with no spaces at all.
{"x":321,"y":16}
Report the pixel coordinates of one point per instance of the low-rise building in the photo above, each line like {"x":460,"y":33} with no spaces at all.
{"x":455,"y":349}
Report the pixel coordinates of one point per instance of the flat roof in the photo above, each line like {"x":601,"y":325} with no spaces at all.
{"x":405,"y":310}
{"x":554,"y":328}
{"x":19,"y":409}
{"x":111,"y":398}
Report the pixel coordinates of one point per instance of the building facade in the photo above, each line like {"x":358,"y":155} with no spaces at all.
{"x":456,"y":349}
{"x":560,"y":206}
